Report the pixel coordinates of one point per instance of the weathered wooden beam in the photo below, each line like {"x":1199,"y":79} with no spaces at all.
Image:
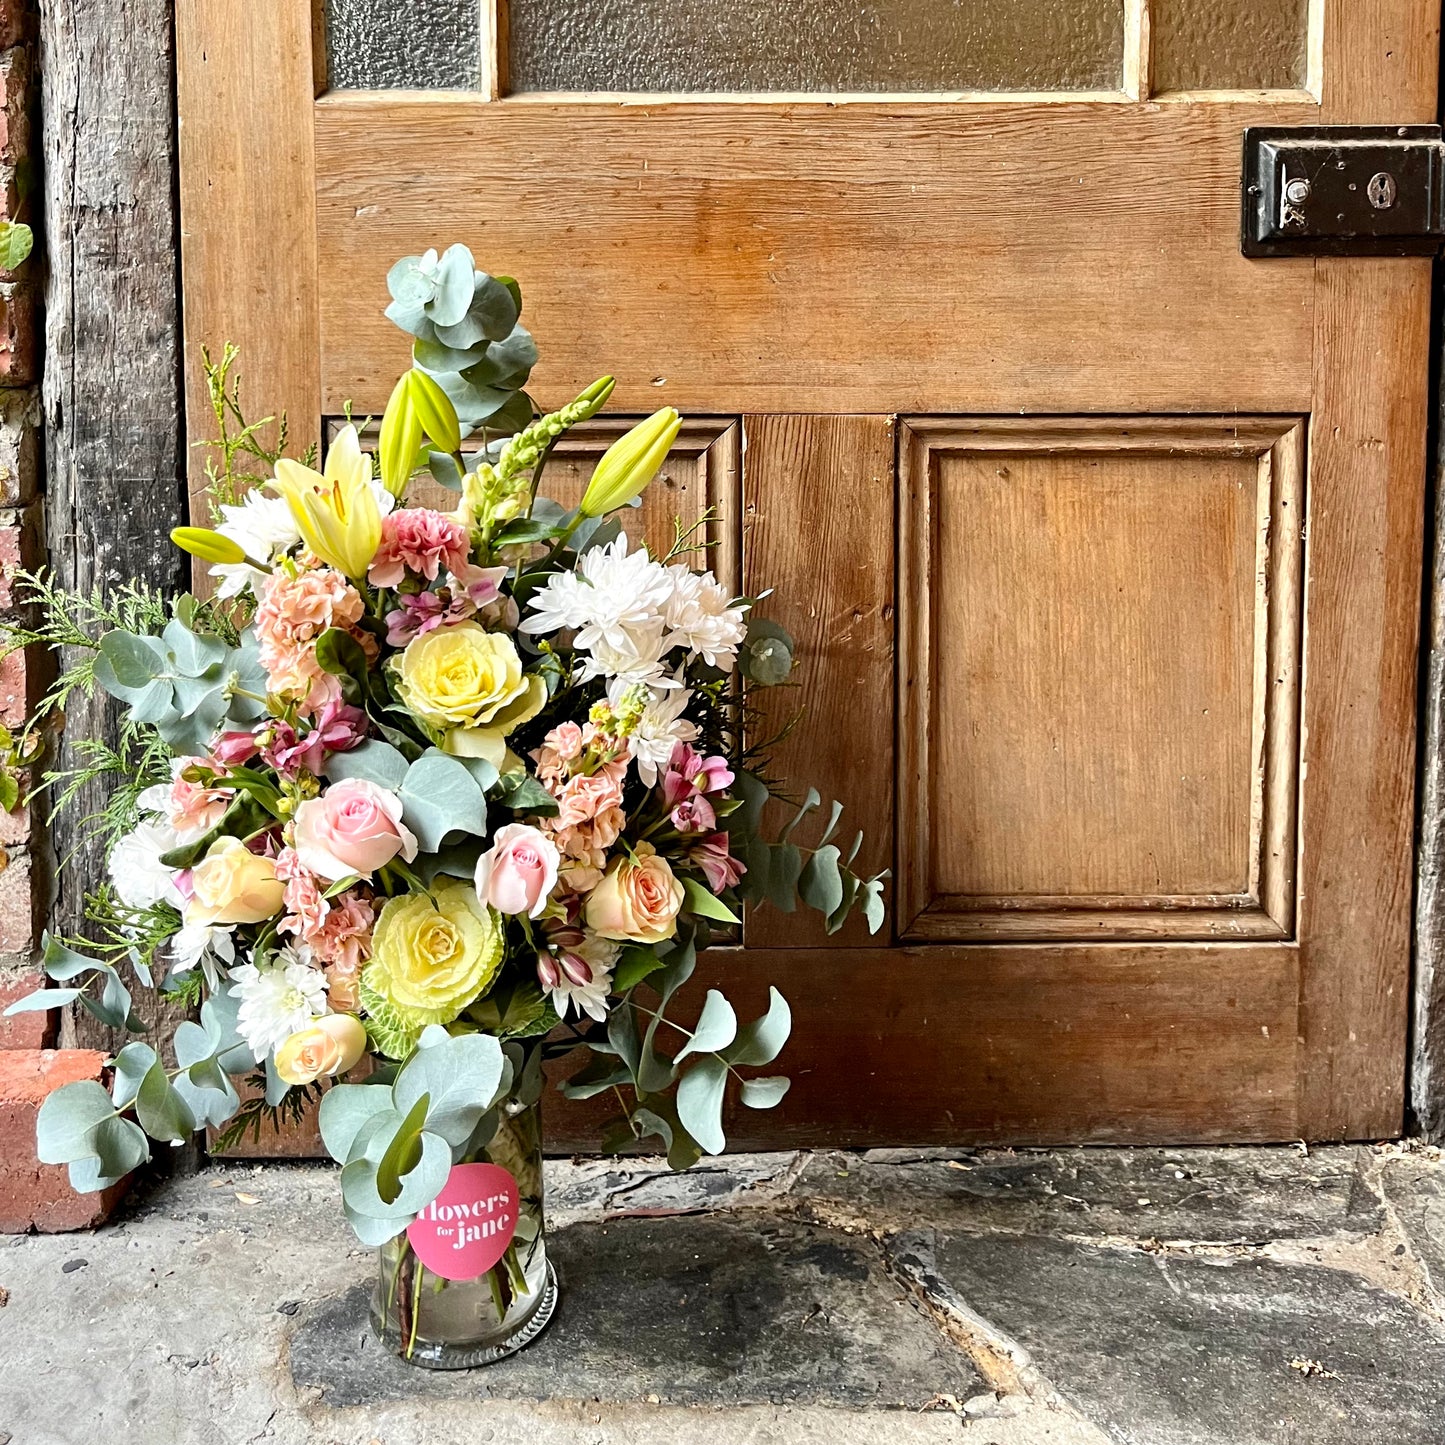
{"x":114,"y":445}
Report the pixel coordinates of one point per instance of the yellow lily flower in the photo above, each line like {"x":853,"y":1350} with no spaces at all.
{"x":335,"y":510}
{"x":630,"y":463}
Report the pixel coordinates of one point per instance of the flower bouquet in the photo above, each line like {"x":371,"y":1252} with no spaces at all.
{"x":423,"y":799}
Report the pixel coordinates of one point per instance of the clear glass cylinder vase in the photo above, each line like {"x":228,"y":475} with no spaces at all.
{"x":455,"y":1324}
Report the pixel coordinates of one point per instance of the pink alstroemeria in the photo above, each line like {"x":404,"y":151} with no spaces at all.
{"x":694,"y":815}
{"x":337,"y":729}
{"x":235,"y":748}
{"x":689,"y":774}
{"x":717,"y":863}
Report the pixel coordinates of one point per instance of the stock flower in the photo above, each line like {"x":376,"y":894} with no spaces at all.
{"x":430,"y":959}
{"x":354,"y":827}
{"x":137,"y":874}
{"x":518,"y":872}
{"x":335,"y":510}
{"x":421,"y":541}
{"x":468,"y":683}
{"x":330,"y":1046}
{"x":562,"y":745}
{"x":231,"y":884}
{"x":637,"y":899}
{"x":294,"y":612}
{"x":277,"y":1000}
{"x":306,"y":908}
{"x":343,"y":941}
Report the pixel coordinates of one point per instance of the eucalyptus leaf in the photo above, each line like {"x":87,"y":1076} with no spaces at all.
{"x":439,"y":798}
{"x":717,"y":1027}
{"x":344,"y":1109}
{"x":700,"y":1100}
{"x":67,"y":1119}
{"x":42,"y":1000}
{"x":131,"y":1066}
{"x":761,"y":1041}
{"x":403,"y":1153}
{"x":821,"y":883}
{"x":764,"y":1093}
{"x":374,"y":761}
{"x":162,"y":1112}
{"x":118,"y":1147}
{"x":460,"y":1077}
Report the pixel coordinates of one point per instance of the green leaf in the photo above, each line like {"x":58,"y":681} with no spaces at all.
{"x":705,"y":904}
{"x":42,"y":1000}
{"x":67,"y":1119}
{"x":699,"y":1102}
{"x":117,"y":1147}
{"x":622,"y":1034}
{"x":634,"y":964}
{"x":459,"y":1076}
{"x":375,"y":761}
{"x":597,"y":1076}
{"x":344,"y":1109}
{"x":821,"y":885}
{"x":522,"y":793}
{"x":340,"y":654}
{"x":764,"y":1093}
{"x":131,"y":663}
{"x":873,"y":909}
{"x":766,"y":656}
{"x":523,"y":530}
{"x":16,"y":242}
{"x":403,"y":1153}
{"x":163,"y":1114}
{"x":440,"y":797}
{"x":391,"y":1034}
{"x":131,"y":1065}
{"x":113,"y":1007}
{"x":761,"y":1041}
{"x":717,"y":1027}
{"x":445,"y":471}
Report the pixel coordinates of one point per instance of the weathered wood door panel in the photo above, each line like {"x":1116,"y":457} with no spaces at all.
{"x":1102,"y":542}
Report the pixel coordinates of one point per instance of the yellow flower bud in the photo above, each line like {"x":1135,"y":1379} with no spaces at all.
{"x":209,"y":546}
{"x":630,"y":463}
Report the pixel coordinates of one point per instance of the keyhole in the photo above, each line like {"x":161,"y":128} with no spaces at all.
{"x":1382,"y":191}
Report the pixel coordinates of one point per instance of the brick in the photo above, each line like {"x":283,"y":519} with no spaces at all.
{"x":20,"y":453}
{"x":17,"y":21}
{"x":17,"y":104}
{"x":22,"y":675}
{"x":22,"y":912}
{"x":35,"y":1195}
{"x":19,"y":335}
{"x":17,"y":826}
{"x":25,"y":1030}
{"x":20,"y":548}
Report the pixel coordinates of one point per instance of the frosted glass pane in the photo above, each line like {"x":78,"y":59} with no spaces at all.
{"x":815,"y":45}
{"x":1230,"y":44}
{"x":403,"y":44}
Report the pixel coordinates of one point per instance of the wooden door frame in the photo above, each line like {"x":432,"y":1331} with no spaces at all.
{"x":247,"y":87}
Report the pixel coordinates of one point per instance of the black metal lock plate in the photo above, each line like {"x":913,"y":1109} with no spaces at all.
{"x":1343,"y":190}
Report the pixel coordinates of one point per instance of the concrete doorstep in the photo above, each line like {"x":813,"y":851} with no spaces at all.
{"x":1074,"y":1297}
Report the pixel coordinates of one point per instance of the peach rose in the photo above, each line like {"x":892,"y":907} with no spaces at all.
{"x":331,"y":1046}
{"x":636,"y":901}
{"x":231,"y":884}
{"x":518,"y":872}
{"x":352,"y":829}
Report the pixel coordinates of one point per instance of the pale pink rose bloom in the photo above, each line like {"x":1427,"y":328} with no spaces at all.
{"x":637,"y":901}
{"x":518,"y":872}
{"x":306,"y":909}
{"x":354,"y":827}
{"x":418,"y":540}
{"x":294,"y":612}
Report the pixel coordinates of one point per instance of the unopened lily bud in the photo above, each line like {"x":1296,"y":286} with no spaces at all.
{"x":630,"y":463}
{"x":209,"y":546}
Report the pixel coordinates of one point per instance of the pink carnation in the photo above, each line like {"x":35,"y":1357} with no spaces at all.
{"x":418,"y":540}
{"x":344,"y":940}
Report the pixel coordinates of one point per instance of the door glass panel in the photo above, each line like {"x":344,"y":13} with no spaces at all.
{"x":403,"y":44}
{"x":1229,"y":44}
{"x":815,"y":45}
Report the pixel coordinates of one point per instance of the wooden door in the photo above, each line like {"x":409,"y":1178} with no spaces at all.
{"x":1102,"y":542}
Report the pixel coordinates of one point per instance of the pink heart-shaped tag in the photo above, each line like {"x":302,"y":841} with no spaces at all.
{"x":466,"y":1229}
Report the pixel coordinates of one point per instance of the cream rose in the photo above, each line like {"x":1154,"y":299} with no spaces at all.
{"x":637,"y":901}
{"x":231,"y":884}
{"x":331,"y":1046}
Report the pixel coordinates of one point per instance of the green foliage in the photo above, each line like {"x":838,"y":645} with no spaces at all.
{"x":237,"y":443}
{"x":16,"y":243}
{"x":443,"y":798}
{"x":468,"y":335}
{"x":110,"y":1003}
{"x":397,"y":1144}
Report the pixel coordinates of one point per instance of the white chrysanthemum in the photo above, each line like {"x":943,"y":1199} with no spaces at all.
{"x":700,"y":619}
{"x":635,"y":657}
{"x":212,"y":950}
{"x":140,"y":879}
{"x":660,"y":728}
{"x":277,"y":1001}
{"x":612,"y":594}
{"x":600,"y":955}
{"x":262,"y":526}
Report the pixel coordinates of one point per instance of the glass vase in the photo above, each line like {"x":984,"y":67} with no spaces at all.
{"x":454,"y":1324}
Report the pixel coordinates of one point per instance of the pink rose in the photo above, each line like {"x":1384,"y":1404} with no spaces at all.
{"x":518,"y":872}
{"x":636,"y":900}
{"x":354,"y":827}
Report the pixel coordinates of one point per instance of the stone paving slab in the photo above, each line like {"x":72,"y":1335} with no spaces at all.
{"x":1203,"y":1195}
{"x":687,"y":1311}
{"x":1260,"y":1297}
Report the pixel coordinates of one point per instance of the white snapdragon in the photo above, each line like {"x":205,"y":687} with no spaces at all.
{"x":276,"y":1001}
